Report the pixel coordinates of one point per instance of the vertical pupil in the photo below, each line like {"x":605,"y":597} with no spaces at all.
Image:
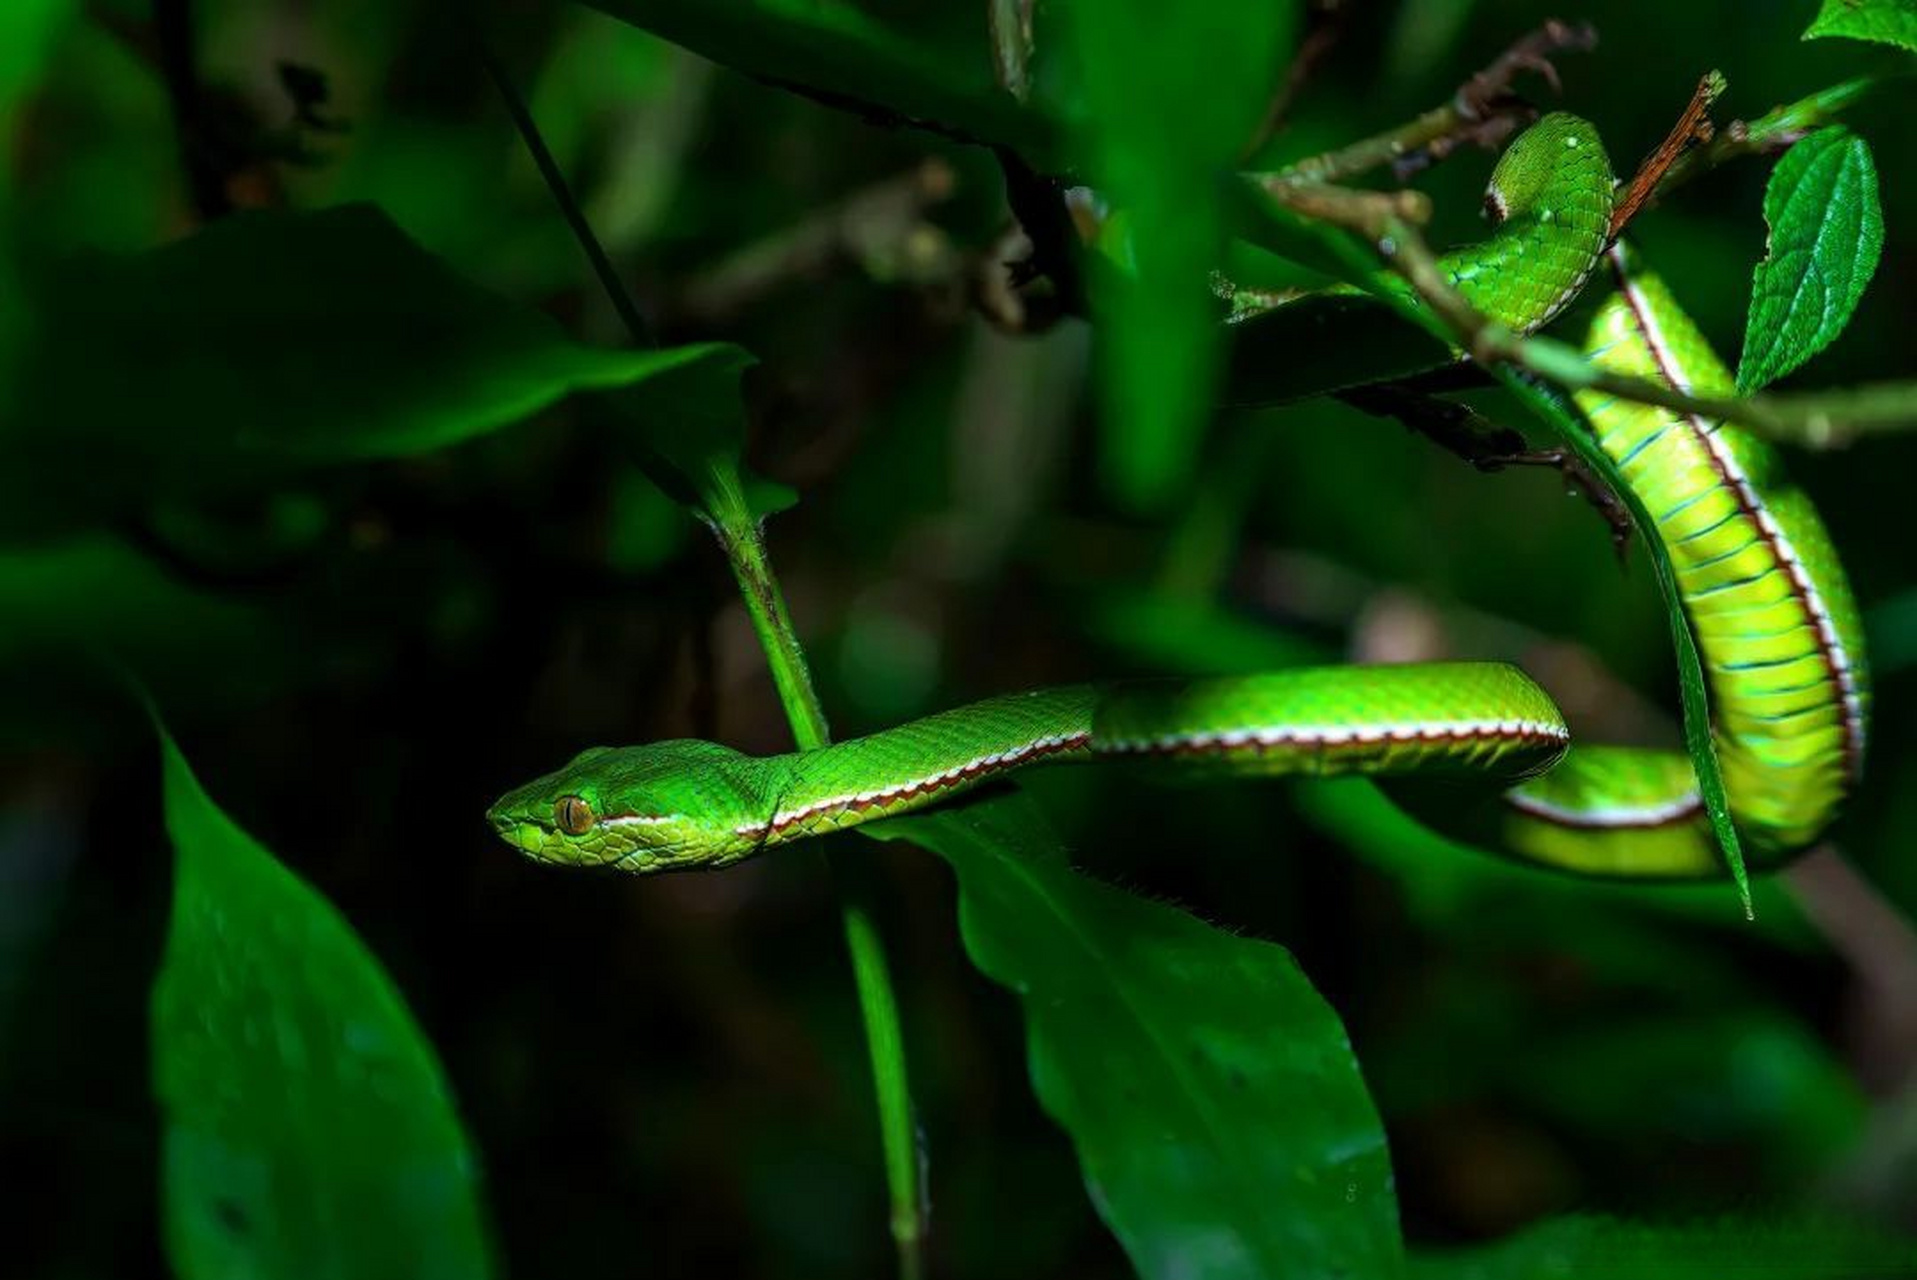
{"x":574,"y":815}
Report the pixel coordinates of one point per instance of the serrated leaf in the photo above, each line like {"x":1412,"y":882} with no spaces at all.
{"x":275,"y":342}
{"x":1826,"y":231}
{"x":1173,"y":94}
{"x":1881,"y":21}
{"x":1220,"y":1119}
{"x":307,"y":1127}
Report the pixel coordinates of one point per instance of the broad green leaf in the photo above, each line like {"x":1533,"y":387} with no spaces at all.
{"x":1221,"y":1122}
{"x":1826,"y":231}
{"x":307,"y":1127}
{"x":271,"y":343}
{"x":1590,"y":1248}
{"x":1883,"y":21}
{"x":833,"y":52}
{"x":1173,"y":94}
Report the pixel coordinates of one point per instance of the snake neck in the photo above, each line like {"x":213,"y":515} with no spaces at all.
{"x":899,"y":770}
{"x":1551,"y":196}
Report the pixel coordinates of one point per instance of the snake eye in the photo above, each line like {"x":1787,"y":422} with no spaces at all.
{"x":572,"y":815}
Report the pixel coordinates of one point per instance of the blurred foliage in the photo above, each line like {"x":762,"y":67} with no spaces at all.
{"x":297,"y":1095}
{"x":314,"y":417}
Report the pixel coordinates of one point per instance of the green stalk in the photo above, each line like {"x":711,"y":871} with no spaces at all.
{"x":743,"y":542}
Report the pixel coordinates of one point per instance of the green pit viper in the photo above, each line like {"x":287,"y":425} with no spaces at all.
{"x":1765,"y":595}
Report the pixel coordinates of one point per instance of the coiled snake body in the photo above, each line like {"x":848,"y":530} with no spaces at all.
{"x":1760,"y":582}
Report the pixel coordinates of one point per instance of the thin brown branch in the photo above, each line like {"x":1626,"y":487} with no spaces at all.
{"x":1489,"y":446}
{"x":1692,"y":127}
{"x":1483,"y":111}
{"x":1371,"y":213}
{"x":1772,"y":131}
{"x":1530,"y":53}
{"x":1318,"y":42}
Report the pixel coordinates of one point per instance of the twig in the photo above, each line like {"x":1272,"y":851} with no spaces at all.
{"x":1772,"y":131}
{"x":881,"y":227}
{"x":1693,"y":127}
{"x":1482,"y":111}
{"x":1532,"y":52}
{"x":535,"y":143}
{"x":1369,"y":212}
{"x":1317,"y":43}
{"x":1489,"y":446}
{"x":1819,"y":420}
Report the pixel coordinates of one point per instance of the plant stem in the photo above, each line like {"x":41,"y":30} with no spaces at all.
{"x":1772,"y":131}
{"x":743,"y":542}
{"x":542,"y":156}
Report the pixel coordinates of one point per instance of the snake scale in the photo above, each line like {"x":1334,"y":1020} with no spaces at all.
{"x":1760,"y":582}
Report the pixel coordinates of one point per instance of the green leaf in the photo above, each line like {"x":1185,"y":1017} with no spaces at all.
{"x":1221,"y":1122}
{"x":1174,"y":94}
{"x":1575,"y":1248}
{"x":832,"y":51}
{"x":308,"y":1129}
{"x":275,"y":342}
{"x":1826,"y":231}
{"x":1883,"y":21}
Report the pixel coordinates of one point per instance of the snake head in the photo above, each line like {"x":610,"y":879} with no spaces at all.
{"x":1556,"y":159}
{"x":659,"y":807}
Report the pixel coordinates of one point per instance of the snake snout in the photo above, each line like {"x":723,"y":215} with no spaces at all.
{"x":527,"y":837}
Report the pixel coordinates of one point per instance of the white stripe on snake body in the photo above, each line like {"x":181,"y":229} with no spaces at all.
{"x":1830,"y":645}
